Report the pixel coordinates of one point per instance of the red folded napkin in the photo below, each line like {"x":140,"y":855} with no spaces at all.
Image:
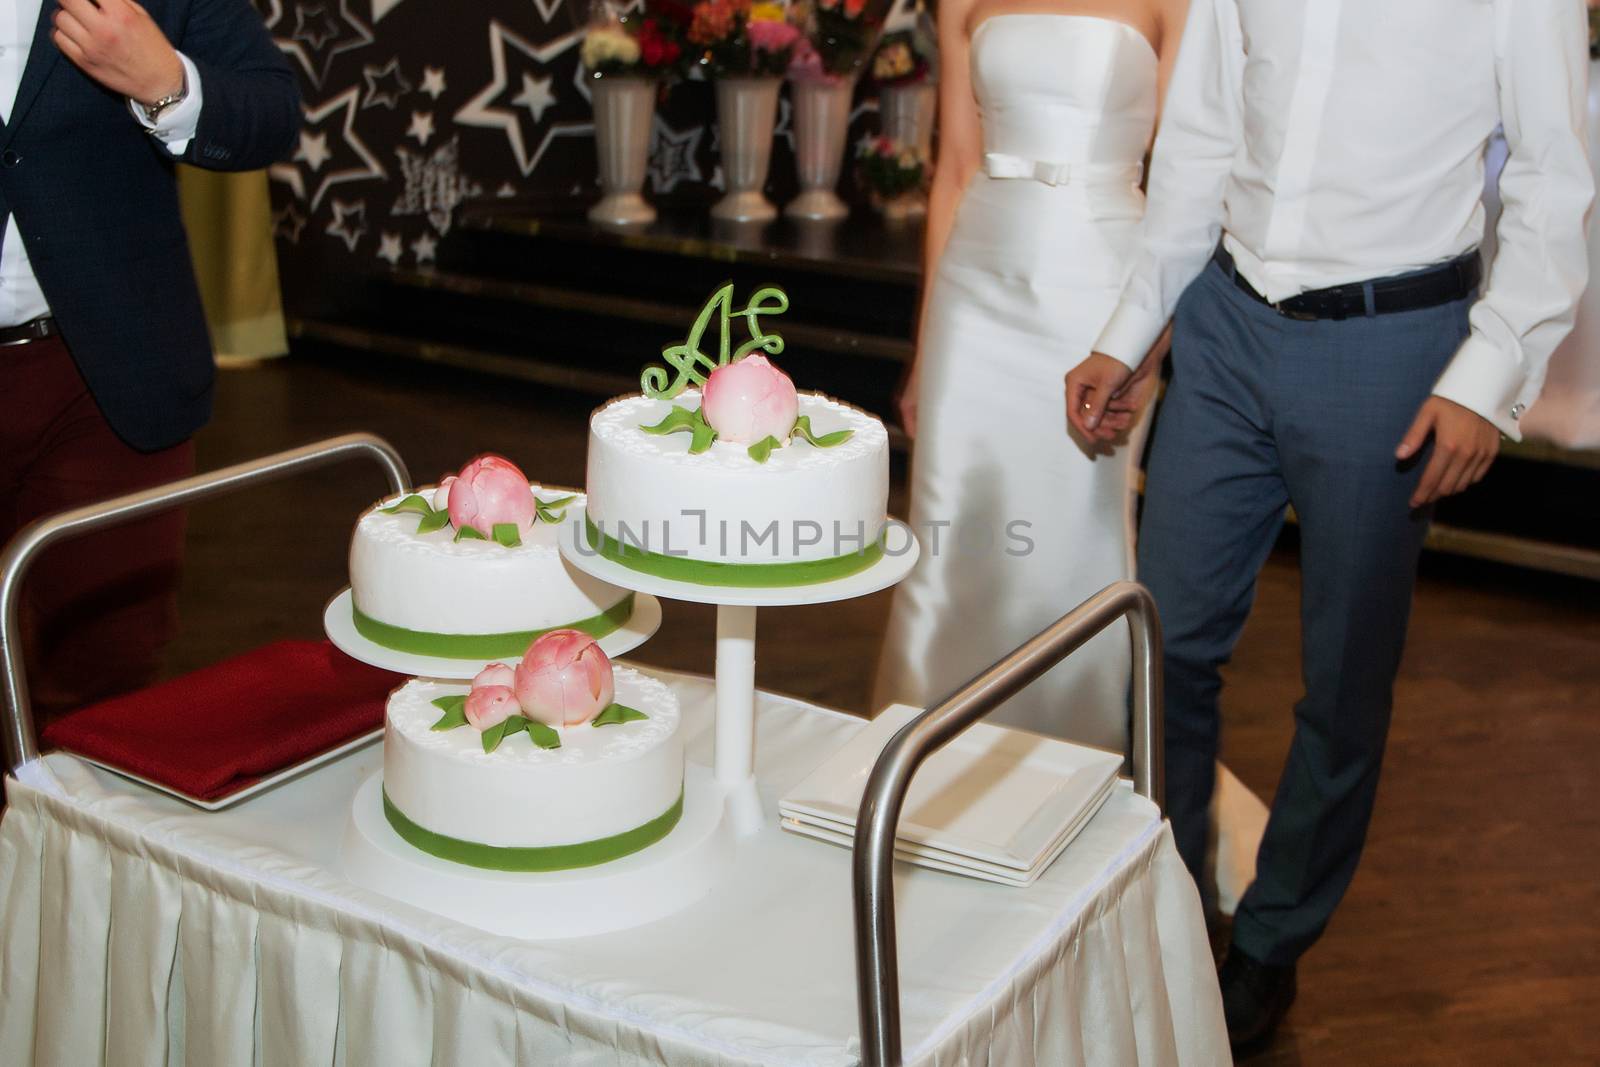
{"x":222,"y":728}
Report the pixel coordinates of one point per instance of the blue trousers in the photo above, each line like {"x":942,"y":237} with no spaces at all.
{"x":1264,"y":411}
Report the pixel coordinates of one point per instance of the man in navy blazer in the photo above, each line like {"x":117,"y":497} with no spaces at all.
{"x":105,"y":361}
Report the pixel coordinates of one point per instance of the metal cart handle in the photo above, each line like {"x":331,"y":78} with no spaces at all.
{"x":877,"y":968}
{"x":21,"y":743}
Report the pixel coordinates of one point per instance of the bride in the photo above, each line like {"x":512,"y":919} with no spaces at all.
{"x":1046,"y":113}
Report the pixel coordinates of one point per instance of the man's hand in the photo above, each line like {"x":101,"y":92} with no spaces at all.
{"x":119,"y":45}
{"x":1090,"y":388}
{"x":1464,"y":446}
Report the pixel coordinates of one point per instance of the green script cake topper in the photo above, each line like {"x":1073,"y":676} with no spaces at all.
{"x":692,"y":365}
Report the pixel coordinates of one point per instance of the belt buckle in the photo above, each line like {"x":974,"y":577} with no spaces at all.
{"x":1282,"y":307}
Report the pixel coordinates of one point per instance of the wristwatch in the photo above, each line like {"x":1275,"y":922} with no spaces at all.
{"x":153,"y":111}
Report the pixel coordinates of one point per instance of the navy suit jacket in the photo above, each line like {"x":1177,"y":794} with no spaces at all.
{"x":97,"y":202}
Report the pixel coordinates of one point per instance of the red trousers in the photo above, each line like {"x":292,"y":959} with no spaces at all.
{"x":97,"y":609}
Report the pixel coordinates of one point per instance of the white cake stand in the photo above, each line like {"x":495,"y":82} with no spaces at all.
{"x":736,"y":640}
{"x":338,"y":622}
{"x":649,"y":885}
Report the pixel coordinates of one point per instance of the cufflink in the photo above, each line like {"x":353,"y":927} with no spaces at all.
{"x":1517,"y":410}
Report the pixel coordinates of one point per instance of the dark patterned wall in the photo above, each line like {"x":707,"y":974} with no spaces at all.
{"x":416,"y":107}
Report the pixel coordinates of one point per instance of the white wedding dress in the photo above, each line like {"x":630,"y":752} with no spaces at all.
{"x":1019,"y":520}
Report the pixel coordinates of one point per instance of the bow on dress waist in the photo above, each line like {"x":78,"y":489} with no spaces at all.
{"x":1002,"y":165}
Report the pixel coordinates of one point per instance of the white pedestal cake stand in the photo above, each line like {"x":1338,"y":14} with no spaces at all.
{"x":338,"y":622}
{"x":736,"y":640}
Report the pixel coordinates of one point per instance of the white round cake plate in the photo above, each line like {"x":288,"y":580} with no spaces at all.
{"x":338,"y":622}
{"x":649,"y":885}
{"x":736,"y":642}
{"x":890,"y":569}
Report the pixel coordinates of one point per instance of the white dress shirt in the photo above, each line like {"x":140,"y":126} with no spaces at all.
{"x":1335,"y":141}
{"x":21,"y":299}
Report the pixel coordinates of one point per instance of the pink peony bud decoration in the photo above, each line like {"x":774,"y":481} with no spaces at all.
{"x":489,"y":706}
{"x":441,"y":495}
{"x":495,"y":674}
{"x":564,"y":679}
{"x":749,"y":401}
{"x":489,"y":491}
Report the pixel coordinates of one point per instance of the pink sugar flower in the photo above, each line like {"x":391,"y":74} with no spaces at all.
{"x":488,"y":492}
{"x":564,"y":679}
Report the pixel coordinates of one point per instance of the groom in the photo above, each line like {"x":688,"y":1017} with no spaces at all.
{"x":1341,"y":351}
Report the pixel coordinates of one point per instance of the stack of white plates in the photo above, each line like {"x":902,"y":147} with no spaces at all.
{"x":995,"y":803}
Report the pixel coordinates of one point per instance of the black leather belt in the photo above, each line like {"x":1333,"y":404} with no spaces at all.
{"x":34,"y":330}
{"x":1455,"y":280}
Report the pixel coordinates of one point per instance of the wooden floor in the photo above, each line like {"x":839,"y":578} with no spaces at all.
{"x":1472,"y":932}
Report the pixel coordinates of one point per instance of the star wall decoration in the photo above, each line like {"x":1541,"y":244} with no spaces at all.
{"x":672,"y":156}
{"x":288,"y":222}
{"x":421,"y":127}
{"x":432,"y":82}
{"x":317,"y":37}
{"x":518,"y":95}
{"x":547,"y":8}
{"x":390,"y":249}
{"x":330,"y":153}
{"x":349,"y":222}
{"x":385,"y":84}
{"x":424,"y":248}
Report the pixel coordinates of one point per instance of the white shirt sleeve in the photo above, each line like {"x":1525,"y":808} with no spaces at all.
{"x":176,"y":125}
{"x":1202,"y":128}
{"x":1541,"y":265}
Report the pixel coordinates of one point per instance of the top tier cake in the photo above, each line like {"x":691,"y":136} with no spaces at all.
{"x":725,"y":475}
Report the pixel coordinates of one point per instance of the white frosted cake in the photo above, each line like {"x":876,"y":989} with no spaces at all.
{"x":801,"y":514}
{"x":607,"y":791}
{"x":431,"y":594}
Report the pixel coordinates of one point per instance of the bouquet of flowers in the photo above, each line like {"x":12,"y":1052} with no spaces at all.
{"x":838,"y":36}
{"x":889,"y":169}
{"x":648,"y":42}
{"x":901,"y":59}
{"x":737,"y":37}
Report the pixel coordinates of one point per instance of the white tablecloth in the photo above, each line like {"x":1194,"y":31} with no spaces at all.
{"x":138,"y":930}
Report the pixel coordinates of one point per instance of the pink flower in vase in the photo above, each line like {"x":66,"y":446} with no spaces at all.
{"x":768,"y":36}
{"x":750,"y":400}
{"x":489,"y":706}
{"x":489,"y":491}
{"x":805,"y":62}
{"x":564,"y":679}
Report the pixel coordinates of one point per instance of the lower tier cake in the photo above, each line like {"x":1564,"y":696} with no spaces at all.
{"x":604,"y":792}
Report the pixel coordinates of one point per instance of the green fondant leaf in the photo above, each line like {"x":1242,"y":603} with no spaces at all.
{"x":468,"y":533}
{"x":763,"y":448}
{"x":676,"y":419}
{"x":493,"y":736}
{"x":616,"y":714}
{"x":455,"y":714}
{"x":553,"y":511}
{"x":802,"y":428}
{"x":515,"y":724}
{"x":410,"y":503}
{"x":507,"y":534}
{"x":433,"y":520}
{"x":542,"y":735}
{"x":704,"y":435}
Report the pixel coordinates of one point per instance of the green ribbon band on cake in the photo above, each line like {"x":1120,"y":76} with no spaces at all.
{"x":546,"y":858}
{"x":743,"y":575}
{"x":482,"y":646}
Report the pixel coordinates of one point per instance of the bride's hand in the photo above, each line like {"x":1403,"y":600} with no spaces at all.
{"x":1090,"y":387}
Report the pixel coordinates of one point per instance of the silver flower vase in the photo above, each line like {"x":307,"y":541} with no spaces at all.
{"x":624,"y":111}
{"x":747,"y":111}
{"x":821,"y":121}
{"x":906,"y":115}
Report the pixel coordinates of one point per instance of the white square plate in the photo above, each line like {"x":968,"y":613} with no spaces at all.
{"x":993,"y":794}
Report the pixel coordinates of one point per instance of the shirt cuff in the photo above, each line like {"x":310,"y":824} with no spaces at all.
{"x":176,"y":126}
{"x":1485,"y":380}
{"x":1127,"y":338}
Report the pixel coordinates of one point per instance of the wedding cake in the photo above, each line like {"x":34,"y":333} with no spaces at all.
{"x":561,"y":762}
{"x":721,"y":473}
{"x":470,"y":569}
